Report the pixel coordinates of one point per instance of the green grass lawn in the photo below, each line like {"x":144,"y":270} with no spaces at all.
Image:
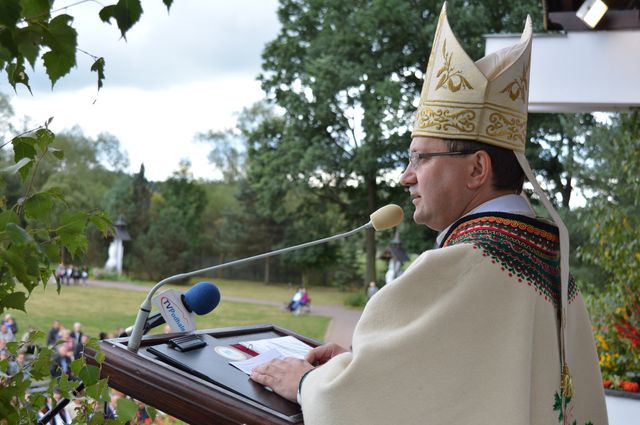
{"x":106,"y":309}
{"x":274,"y":291}
{"x":262,"y":291}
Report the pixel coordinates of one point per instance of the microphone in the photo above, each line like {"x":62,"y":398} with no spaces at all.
{"x":384,"y":218}
{"x":387,"y":217}
{"x":201,"y":298}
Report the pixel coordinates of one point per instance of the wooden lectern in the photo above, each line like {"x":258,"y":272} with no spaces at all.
{"x":146,"y":377}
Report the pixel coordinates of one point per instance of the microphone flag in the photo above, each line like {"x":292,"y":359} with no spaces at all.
{"x":174,"y":312}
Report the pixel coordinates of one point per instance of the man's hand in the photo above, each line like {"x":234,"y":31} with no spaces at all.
{"x":324,"y":353}
{"x":282,"y":376}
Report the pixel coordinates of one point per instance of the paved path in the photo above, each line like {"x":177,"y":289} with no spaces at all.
{"x":343,"y":321}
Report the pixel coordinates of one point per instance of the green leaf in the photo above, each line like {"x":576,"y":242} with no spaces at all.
{"x":28,"y":40}
{"x":76,"y":366}
{"x":40,"y":365}
{"x":15,"y":300}
{"x":39,"y":206}
{"x":16,"y":264}
{"x":37,"y":399}
{"x":35,"y":335}
{"x":9,"y":12}
{"x":71,"y":231}
{"x":99,"y":391}
{"x":44,"y":137}
{"x":125,"y":12}
{"x":23,"y":148}
{"x":17,"y":234}
{"x":16,"y":74}
{"x":126,"y":409}
{"x":90,"y":375}
{"x":65,"y":386}
{"x":61,"y":37}
{"x":57,"y":192}
{"x":12,"y":169}
{"x":98,"y":66}
{"x":38,"y":9}
{"x":102,"y":222}
{"x":7,"y":217}
{"x":57,"y":65}
{"x":5,"y":54}
{"x":52,"y":250}
{"x":152,"y":412}
{"x":58,"y":153}
{"x":92,"y":391}
{"x":168,"y":3}
{"x":99,"y":420}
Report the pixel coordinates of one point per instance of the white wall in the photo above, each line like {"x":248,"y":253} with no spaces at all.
{"x":581,"y":71}
{"x":623,"y":411}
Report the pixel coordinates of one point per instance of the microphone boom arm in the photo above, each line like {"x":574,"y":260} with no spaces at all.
{"x":145,"y":307}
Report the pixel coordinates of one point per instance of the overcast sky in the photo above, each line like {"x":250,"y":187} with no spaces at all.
{"x":178,"y":74}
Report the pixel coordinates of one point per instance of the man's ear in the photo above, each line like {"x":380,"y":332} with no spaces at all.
{"x":480,"y":170}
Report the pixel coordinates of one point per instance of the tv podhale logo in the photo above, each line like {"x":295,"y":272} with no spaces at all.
{"x":174,"y":312}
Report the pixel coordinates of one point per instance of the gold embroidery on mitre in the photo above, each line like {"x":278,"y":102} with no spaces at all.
{"x":501,"y":126}
{"x":444,"y":119}
{"x":519,"y":87}
{"x":447,"y":73}
{"x":485,"y":100}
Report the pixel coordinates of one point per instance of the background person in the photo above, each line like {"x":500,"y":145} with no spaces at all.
{"x":295,"y":300}
{"x":371,"y":290}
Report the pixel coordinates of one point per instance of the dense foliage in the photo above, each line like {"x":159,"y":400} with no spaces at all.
{"x":38,"y":226}
{"x":612,"y":220}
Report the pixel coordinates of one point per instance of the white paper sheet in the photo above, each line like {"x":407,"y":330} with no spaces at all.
{"x":287,"y":345}
{"x":271,"y":348}
{"x":248,"y":365}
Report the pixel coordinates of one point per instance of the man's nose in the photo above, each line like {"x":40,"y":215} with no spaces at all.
{"x":408,"y":176}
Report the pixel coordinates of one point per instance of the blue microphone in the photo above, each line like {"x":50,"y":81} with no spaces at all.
{"x":201,"y":298}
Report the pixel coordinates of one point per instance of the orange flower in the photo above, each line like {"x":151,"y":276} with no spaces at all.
{"x":607,"y":383}
{"x":632,"y":387}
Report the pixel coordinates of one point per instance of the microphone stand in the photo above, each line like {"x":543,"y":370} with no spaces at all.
{"x":145,"y":308}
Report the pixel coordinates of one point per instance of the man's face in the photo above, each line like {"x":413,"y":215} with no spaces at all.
{"x":437,"y":185}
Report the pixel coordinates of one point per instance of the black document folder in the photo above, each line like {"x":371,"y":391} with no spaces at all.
{"x":207,"y":364}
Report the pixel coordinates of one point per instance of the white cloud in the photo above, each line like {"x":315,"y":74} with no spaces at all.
{"x":178,"y":74}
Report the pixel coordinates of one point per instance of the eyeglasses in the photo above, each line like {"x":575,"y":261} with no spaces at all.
{"x":414,"y":157}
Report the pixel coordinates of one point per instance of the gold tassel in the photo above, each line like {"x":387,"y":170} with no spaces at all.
{"x":566,"y":386}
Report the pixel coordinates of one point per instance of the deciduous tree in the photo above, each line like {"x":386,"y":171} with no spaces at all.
{"x":348,"y":75}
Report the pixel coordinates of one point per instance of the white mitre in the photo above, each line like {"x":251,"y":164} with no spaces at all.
{"x":485,"y":101}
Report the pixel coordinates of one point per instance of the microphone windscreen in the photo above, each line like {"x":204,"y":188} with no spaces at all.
{"x":387,"y":217}
{"x":202,"y":298}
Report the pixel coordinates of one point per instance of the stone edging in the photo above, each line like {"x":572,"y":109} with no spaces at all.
{"x":623,"y":394}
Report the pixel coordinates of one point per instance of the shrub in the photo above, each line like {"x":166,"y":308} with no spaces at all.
{"x":616,"y":323}
{"x":356,"y":299}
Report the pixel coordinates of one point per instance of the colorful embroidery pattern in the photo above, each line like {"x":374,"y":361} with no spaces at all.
{"x":525,"y":251}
